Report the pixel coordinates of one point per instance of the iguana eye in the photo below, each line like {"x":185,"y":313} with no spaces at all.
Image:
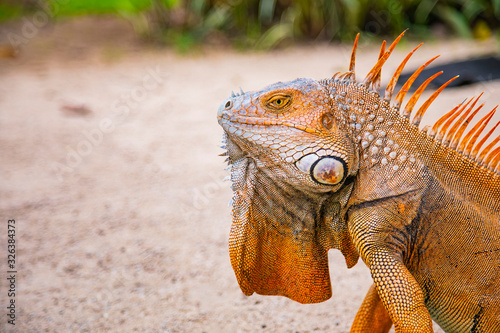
{"x":279,"y":102}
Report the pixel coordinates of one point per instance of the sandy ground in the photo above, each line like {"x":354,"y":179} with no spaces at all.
{"x":109,"y":166}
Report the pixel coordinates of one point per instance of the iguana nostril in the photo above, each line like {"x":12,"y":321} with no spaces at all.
{"x":228,"y":105}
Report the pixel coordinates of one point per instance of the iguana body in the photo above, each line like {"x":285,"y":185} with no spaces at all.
{"x":332,"y":164}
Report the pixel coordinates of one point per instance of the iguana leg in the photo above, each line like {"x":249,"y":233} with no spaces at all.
{"x":400,"y":293}
{"x":372,"y":315}
{"x":379,"y":232}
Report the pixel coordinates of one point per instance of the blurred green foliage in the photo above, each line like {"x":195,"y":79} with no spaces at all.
{"x":265,"y":24}
{"x":10,"y":11}
{"x":79,"y":7}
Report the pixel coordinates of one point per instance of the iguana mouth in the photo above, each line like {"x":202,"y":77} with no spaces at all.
{"x":229,"y":123}
{"x":233,"y":150}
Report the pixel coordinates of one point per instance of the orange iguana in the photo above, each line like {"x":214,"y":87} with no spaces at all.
{"x":333,"y":164}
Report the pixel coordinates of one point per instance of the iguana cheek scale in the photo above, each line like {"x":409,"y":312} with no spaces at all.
{"x":328,"y":164}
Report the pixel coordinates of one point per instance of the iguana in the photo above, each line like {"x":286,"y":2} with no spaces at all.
{"x":333,"y":163}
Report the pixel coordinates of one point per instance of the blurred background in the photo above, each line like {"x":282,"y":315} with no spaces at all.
{"x":265,"y":24}
{"x":109,"y":147}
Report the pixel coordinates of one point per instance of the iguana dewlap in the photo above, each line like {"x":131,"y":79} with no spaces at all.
{"x":333,"y":164}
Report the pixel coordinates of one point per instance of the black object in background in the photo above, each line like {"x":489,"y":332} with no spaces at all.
{"x":471,"y":71}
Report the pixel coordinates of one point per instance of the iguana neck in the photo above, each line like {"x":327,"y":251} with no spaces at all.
{"x":391,"y":148}
{"x":281,"y":234}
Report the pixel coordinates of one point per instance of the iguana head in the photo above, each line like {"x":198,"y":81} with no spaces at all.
{"x":291,"y":125}
{"x":290,"y":169}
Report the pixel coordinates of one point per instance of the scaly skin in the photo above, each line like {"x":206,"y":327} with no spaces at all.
{"x":331,"y":164}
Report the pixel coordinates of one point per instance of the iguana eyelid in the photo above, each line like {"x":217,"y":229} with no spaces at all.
{"x":272,"y":102}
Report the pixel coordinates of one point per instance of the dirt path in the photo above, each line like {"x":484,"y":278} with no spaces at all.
{"x":109,"y":166}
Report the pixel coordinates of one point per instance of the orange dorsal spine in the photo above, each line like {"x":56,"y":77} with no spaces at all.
{"x":448,"y":130}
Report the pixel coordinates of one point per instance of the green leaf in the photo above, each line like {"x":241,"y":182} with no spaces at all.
{"x":473,"y":8}
{"x":216,"y":18}
{"x":275,"y":35}
{"x":423,"y":11}
{"x":496,"y":8}
{"x":169,"y":4}
{"x":266,"y":10}
{"x":198,"y":6}
{"x":456,"y":20}
{"x":10,"y":11}
{"x":79,"y":7}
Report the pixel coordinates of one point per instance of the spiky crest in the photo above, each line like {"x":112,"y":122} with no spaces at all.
{"x":448,"y":129}
{"x":470,"y":138}
{"x":394,"y":79}
{"x":377,"y":80}
{"x":487,"y":150}
{"x":419,"y":114}
{"x":456,"y":130}
{"x":463,"y":124}
{"x":442,"y":132}
{"x":353,"y":57}
{"x":450,"y":115}
{"x":381,"y":61}
{"x":414,"y":98}
{"x":404,"y":90}
{"x":476,"y":150}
